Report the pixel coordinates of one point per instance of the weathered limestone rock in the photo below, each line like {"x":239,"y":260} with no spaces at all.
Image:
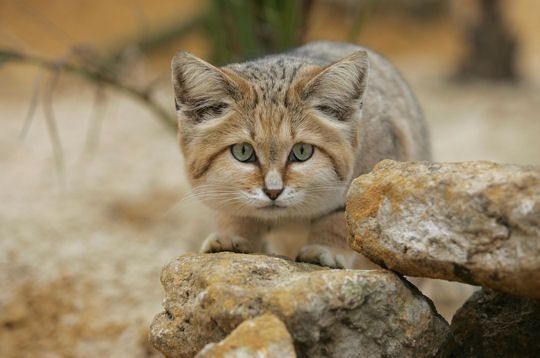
{"x":474,"y":222}
{"x":492,"y":324}
{"x":329,"y":313}
{"x":264,"y":337}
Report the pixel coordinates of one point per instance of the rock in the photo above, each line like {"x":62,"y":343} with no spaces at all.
{"x":329,"y":313}
{"x":474,"y":222}
{"x":492,"y":324}
{"x":265,"y":337}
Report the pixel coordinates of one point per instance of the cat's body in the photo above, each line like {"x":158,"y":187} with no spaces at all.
{"x":274,"y":143}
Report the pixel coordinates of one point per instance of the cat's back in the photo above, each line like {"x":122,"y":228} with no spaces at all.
{"x":326,"y":52}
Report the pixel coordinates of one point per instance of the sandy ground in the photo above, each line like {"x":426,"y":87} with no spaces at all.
{"x":80,"y":256}
{"x":80,"y":260}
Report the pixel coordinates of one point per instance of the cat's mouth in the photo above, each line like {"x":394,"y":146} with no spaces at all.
{"x":272,"y":207}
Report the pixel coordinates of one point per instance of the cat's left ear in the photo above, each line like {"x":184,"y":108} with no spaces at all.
{"x":338,"y":89}
{"x":203,"y":91}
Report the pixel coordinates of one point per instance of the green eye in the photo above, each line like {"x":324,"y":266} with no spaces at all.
{"x":243,"y":152}
{"x":301,"y":152}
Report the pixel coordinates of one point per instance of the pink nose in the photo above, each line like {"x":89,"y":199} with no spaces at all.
{"x":272,"y":194}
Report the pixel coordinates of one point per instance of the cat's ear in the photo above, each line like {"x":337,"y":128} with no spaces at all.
{"x":337,"y":89}
{"x":202,"y":90}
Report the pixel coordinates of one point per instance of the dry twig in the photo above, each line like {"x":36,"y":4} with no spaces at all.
{"x":98,"y":76}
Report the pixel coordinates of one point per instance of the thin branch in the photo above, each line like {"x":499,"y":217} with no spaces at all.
{"x":52,"y":126}
{"x":94,"y":124}
{"x":141,"y":95}
{"x":14,"y":40}
{"x":31,"y":108}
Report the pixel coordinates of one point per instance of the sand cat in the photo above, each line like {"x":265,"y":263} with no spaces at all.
{"x":275,"y":142}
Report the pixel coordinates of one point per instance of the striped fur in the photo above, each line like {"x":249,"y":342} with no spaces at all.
{"x":348,"y":102}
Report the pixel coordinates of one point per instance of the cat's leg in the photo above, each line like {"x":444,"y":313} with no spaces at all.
{"x":234,"y":234}
{"x":327,"y":244}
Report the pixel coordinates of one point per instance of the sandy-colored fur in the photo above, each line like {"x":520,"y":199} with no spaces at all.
{"x":318,"y":94}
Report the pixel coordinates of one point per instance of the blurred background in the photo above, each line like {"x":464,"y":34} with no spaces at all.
{"x":91,"y":179}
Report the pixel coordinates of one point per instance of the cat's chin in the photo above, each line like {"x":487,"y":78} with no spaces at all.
{"x":272,"y":208}
{"x":279,"y":213}
{"x":276,"y":211}
{"x":271,"y":211}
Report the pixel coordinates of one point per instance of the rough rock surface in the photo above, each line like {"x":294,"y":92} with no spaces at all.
{"x":264,"y":337}
{"x":329,"y":313}
{"x":474,"y":222}
{"x":492,"y":324}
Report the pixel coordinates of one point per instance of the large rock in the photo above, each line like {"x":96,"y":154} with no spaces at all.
{"x":492,"y":324}
{"x":474,"y":222}
{"x":329,"y":313}
{"x":263,"y":337}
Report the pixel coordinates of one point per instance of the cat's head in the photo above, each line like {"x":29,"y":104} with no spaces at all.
{"x":273,"y":138}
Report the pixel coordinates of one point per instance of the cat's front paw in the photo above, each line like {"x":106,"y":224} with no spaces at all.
{"x":216,"y":242}
{"x":323,"y":256}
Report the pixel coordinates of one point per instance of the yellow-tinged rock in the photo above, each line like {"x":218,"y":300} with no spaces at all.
{"x":328,"y":313}
{"x":473,"y":222}
{"x":263,"y":337}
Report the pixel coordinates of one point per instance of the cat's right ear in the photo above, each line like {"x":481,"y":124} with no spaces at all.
{"x":201,"y":90}
{"x":337,"y":90}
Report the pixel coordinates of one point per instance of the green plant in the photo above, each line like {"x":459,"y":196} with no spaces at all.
{"x":241,"y":29}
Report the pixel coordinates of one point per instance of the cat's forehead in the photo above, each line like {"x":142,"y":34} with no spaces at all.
{"x":272,"y":76}
{"x":270,"y":68}
{"x":270,"y":114}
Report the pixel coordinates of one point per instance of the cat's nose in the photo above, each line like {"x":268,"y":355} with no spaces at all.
{"x":273,"y":184}
{"x":272,"y":193}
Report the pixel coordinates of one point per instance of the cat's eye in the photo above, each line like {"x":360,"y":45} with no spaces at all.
{"x":212,"y":110}
{"x":243,"y":152}
{"x":301,"y":152}
{"x":329,"y":111}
